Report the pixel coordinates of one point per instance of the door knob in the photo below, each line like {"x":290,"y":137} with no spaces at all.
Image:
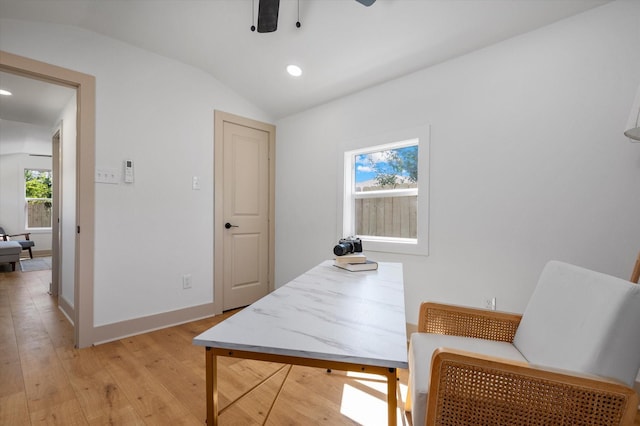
{"x":229,"y":226}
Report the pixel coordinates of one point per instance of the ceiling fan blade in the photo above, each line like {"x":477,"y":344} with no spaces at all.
{"x":268,"y":15}
{"x":366,"y":2}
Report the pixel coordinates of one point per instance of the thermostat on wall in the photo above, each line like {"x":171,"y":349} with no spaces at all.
{"x":128,"y":171}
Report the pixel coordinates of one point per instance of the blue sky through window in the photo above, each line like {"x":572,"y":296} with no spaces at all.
{"x":367,"y":164}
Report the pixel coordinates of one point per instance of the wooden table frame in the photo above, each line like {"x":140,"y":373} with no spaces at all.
{"x":212,"y":353}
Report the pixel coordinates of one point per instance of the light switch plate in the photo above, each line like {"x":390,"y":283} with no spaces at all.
{"x":107,"y":175}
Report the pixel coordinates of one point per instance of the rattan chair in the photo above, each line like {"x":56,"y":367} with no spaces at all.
{"x":635,"y":275}
{"x":570,"y":359}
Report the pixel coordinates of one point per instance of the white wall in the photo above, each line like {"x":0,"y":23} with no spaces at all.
{"x":17,"y":141}
{"x":18,"y":138}
{"x":158,"y":113}
{"x":528,"y":162}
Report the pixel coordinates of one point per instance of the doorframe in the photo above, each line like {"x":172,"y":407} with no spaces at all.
{"x":56,"y":254}
{"x":220,"y":118}
{"x":85,"y":86}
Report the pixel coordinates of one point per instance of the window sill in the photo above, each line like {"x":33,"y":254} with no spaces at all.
{"x":397,"y":247}
{"x":38,"y":230}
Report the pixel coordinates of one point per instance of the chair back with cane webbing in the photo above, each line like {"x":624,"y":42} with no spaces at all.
{"x":635,"y":275}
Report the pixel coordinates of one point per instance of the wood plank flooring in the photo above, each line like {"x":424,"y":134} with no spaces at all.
{"x":157,"y":378}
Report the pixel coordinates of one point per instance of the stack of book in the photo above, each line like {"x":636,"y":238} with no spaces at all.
{"x":355,"y":262}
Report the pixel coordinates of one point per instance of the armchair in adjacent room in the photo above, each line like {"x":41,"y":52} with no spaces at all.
{"x":571,"y":358}
{"x":25,"y":241}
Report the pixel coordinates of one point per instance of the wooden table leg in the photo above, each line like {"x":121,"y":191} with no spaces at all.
{"x":212,"y":380}
{"x":212,"y":387}
{"x":392,"y":396}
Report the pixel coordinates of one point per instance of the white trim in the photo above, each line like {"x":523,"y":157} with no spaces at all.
{"x":403,"y":192}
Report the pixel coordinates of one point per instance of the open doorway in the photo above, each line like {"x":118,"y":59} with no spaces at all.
{"x":80,"y":227}
{"x":33,"y":114}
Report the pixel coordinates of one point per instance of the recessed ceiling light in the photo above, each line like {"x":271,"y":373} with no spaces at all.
{"x":5,"y":92}
{"x":294,"y":70}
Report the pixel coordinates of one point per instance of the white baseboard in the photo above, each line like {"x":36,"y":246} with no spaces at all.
{"x":116,"y":331}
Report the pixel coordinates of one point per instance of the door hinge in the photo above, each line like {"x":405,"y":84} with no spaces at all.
{"x":78,"y":229}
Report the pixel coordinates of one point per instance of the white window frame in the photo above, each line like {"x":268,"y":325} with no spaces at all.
{"x":399,"y":139}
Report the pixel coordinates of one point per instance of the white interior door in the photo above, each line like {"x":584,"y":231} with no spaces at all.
{"x":246,"y":210}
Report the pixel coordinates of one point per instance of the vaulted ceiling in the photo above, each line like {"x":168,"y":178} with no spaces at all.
{"x":342,"y":46}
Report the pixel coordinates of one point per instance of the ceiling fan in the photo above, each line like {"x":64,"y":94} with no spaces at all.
{"x":268,"y":14}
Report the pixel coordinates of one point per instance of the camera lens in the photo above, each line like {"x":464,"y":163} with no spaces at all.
{"x":342,"y":249}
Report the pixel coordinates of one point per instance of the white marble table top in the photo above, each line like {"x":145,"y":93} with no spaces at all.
{"x":326,"y":313}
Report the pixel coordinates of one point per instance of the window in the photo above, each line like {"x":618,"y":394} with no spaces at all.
{"x":386,"y":195}
{"x":37,"y":184}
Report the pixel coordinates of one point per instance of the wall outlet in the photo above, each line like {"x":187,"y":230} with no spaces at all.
{"x":186,"y":281}
{"x":490,"y":303}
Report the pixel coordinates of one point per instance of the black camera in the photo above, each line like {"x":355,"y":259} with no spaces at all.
{"x":348,"y":245}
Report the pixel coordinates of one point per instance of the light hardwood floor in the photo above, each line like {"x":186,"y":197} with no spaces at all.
{"x":156,"y":378}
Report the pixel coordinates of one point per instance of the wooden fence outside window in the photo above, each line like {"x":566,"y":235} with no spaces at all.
{"x":38,"y":213}
{"x":387,"y":216}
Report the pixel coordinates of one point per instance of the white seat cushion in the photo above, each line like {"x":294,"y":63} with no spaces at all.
{"x":583,"y":321}
{"x":421,"y":348}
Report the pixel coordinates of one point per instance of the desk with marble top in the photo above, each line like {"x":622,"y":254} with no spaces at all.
{"x":328,"y":318}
